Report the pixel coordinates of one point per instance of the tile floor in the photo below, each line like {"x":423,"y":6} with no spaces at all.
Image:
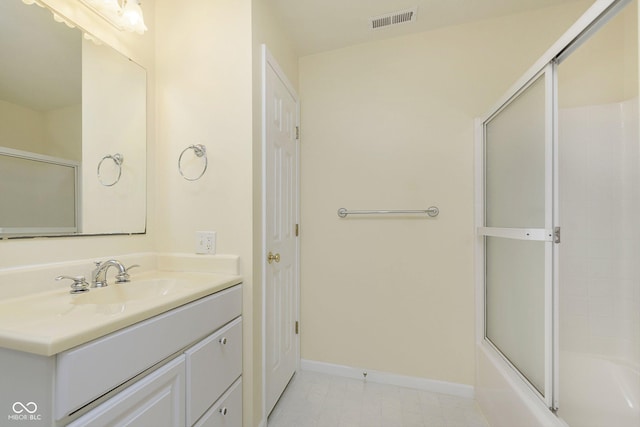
{"x":319,"y":400}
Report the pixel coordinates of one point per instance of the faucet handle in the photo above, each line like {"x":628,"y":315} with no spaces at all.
{"x":79,"y":284}
{"x":131,"y":266}
{"x":124,"y":276}
{"x":94,"y":273}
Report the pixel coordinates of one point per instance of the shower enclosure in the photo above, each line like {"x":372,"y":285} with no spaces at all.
{"x":559,"y":230}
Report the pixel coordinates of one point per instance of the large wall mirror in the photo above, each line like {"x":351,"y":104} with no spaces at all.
{"x":72,"y":131}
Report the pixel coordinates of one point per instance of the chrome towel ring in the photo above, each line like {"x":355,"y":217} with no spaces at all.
{"x":200,"y":151}
{"x":117,"y":159}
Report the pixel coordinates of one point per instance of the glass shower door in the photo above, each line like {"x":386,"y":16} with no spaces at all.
{"x":518,"y":223}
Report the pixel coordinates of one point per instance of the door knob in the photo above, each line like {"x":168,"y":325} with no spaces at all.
{"x":271,"y":257}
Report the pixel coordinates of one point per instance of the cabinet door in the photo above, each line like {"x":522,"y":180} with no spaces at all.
{"x":227,"y":412}
{"x":212,"y":366}
{"x":156,"y":400}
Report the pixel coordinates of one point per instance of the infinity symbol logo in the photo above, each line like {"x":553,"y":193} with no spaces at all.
{"x":20,"y":407}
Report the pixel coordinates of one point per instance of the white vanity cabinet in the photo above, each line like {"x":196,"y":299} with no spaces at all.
{"x":180,"y":368}
{"x":181,"y":391}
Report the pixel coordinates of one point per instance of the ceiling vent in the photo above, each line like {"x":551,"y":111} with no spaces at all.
{"x":395,"y":18}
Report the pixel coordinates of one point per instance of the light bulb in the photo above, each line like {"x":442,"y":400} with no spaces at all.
{"x":132,"y":15}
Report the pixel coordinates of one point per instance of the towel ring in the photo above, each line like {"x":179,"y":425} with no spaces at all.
{"x":117,"y":159}
{"x":200,"y":151}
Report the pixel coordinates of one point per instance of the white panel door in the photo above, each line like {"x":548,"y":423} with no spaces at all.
{"x":281,"y":257}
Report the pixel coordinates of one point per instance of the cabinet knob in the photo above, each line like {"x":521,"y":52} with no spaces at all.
{"x":223,"y":341}
{"x":223,"y":411}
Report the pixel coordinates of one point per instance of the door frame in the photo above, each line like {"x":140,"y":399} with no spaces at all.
{"x":269,"y":61}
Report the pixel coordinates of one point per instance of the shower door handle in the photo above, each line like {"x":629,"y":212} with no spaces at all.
{"x":556,"y":235}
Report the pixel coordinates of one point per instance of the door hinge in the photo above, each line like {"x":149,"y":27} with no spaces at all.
{"x":297,"y":230}
{"x":297,"y":328}
{"x":556,"y":235}
{"x":297,"y":132}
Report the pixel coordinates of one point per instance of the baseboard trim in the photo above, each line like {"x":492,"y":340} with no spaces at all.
{"x":436,"y":386}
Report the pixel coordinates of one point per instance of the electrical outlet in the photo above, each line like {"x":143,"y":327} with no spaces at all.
{"x":205,"y":242}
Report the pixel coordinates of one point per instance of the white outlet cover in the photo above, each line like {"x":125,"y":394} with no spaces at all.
{"x":205,"y":242}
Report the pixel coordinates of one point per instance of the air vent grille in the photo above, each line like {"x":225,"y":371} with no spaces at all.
{"x":395,"y":18}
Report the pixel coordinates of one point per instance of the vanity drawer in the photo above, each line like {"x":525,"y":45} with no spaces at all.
{"x":227,"y":412}
{"x":86,"y":372}
{"x":212,"y":366}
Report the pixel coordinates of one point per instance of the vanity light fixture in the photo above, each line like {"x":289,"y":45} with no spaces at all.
{"x":125,"y":15}
{"x":56,"y":16}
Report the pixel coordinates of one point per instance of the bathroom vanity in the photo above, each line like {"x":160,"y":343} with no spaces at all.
{"x":165,"y":353}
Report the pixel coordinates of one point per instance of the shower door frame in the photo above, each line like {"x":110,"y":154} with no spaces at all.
{"x":589,"y":23}
{"x":548,"y":73}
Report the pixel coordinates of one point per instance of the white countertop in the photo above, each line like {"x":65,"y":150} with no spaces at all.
{"x":47,"y":323}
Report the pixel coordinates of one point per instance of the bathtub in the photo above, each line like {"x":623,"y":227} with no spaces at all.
{"x":504,"y":398}
{"x":597,"y":392}
{"x":594,"y":392}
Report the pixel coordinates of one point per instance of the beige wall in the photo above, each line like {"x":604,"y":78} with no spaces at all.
{"x":54,"y":133}
{"x":108,"y":79}
{"x":22,"y":128}
{"x":204,"y":66}
{"x":389,"y":125}
{"x":385,"y":125}
{"x":21,"y":252}
{"x":209,"y":92}
{"x":204,"y":97}
{"x":64,"y":132}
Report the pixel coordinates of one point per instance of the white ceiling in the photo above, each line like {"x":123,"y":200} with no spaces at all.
{"x":314,"y":25}
{"x":321,"y":25}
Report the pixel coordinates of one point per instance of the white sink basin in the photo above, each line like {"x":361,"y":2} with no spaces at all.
{"x":47,"y":323}
{"x":122,"y":293}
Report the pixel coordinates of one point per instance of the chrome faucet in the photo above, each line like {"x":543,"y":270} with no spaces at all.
{"x":99,"y":275}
